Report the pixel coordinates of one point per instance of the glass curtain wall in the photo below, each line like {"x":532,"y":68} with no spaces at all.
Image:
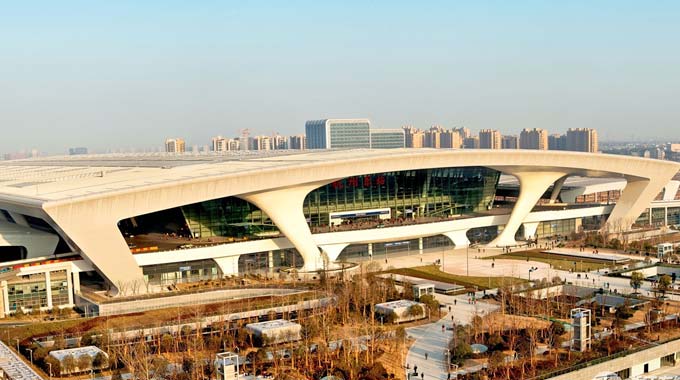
{"x":436,"y":193}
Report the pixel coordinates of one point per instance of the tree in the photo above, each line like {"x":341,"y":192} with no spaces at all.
{"x":100,"y":361}
{"x":430,"y":302}
{"x":636,"y":279}
{"x":415,"y":311}
{"x":664,"y":284}
{"x":68,"y":363}
{"x":84,"y":363}
{"x":496,"y":361}
{"x":55,"y":365}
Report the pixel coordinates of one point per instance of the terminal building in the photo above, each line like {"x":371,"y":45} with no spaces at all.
{"x":75,"y":223}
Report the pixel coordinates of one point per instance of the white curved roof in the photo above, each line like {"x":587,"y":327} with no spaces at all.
{"x":67,"y":177}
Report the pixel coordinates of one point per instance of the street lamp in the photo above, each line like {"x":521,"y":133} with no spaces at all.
{"x":532,"y":269}
{"x":17,"y":339}
{"x":30,"y":351}
{"x":50,"y":365}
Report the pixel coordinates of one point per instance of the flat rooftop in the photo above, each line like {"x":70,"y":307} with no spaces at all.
{"x":77,"y":352}
{"x":271,"y":325}
{"x":398,"y":304}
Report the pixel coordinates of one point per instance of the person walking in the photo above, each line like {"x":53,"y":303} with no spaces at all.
{"x":426,"y":356}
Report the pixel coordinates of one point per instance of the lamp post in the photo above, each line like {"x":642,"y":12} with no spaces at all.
{"x":50,"y":365}
{"x":30,"y":351}
{"x":17,"y":339}
{"x":532,"y":269}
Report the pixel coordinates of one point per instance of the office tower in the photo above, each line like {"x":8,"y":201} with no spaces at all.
{"x":433,"y":137}
{"x":489,"y":139}
{"x":77,"y":150}
{"x":451,"y":139}
{"x":535,"y":138}
{"x":557,"y":142}
{"x":175,"y":145}
{"x":471,"y":143}
{"x":509,"y":142}
{"x":582,"y":140}
{"x":298,"y":142}
{"x":219,"y":144}
{"x":413,"y":137}
{"x":338,"y":133}
{"x":387,"y":138}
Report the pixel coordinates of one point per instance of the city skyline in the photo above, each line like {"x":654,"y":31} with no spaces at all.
{"x":106,"y":77}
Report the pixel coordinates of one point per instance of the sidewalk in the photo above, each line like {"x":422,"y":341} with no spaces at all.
{"x":431,"y":340}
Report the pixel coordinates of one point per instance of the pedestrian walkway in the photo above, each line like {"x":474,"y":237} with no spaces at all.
{"x":430,"y":340}
{"x":14,"y":367}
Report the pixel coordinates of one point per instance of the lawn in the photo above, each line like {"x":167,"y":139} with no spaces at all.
{"x":432,"y":272}
{"x":559,"y":262}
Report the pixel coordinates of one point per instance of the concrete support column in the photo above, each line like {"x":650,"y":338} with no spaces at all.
{"x":76,"y":282}
{"x":459,"y":238}
{"x":635,"y":197}
{"x":270,"y":261}
{"x":530,"y":230}
{"x":370,"y":249}
{"x":557,"y":187}
{"x":69,"y":286}
{"x":420,"y":244}
{"x":333,"y":250}
{"x":284,"y":207}
{"x":665,"y":216}
{"x":228,"y":265}
{"x":48,"y":288}
{"x":5,"y":299}
{"x":19,"y":219}
{"x":532,"y":185}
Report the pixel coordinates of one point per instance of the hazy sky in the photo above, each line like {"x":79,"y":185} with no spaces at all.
{"x":121,"y":74}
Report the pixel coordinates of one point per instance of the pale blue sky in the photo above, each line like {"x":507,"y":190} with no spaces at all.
{"x":120,"y":74}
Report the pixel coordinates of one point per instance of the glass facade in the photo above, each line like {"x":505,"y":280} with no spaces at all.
{"x":31,"y":291}
{"x":398,"y":247}
{"x":259,"y":261}
{"x":674,"y":216}
{"x":181,"y":272}
{"x":229,"y":217}
{"x":404,"y":197}
{"x":410,"y":194}
{"x":347,"y":134}
{"x":387,"y":139}
{"x":556,"y":227}
{"x":315,"y":132}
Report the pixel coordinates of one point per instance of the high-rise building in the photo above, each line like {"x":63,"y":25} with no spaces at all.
{"x":535,"y":138}
{"x":451,"y":139}
{"x":557,"y":142}
{"x":387,"y":138}
{"x":219,"y":144}
{"x":77,"y":150}
{"x":338,"y":133}
{"x":510,"y":142}
{"x":279,"y":142}
{"x":298,"y":142}
{"x":582,"y":140}
{"x":463,"y":132}
{"x":471,"y":142}
{"x":433,"y":137}
{"x":262,"y":143}
{"x":175,"y":145}
{"x":413,"y":137}
{"x":489,"y":139}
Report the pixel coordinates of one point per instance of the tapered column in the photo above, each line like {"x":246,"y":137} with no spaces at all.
{"x":459,"y":238}
{"x":557,"y":187}
{"x":532,"y":185}
{"x":635,"y":197}
{"x":333,"y":250}
{"x":284,"y":207}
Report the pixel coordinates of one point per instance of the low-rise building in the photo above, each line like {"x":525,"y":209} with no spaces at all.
{"x":401,"y":310}
{"x":276,"y":331}
{"x":80,"y":359}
